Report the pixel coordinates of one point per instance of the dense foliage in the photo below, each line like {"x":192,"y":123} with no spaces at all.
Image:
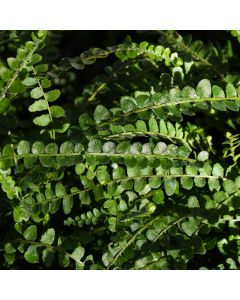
{"x":121,"y":157}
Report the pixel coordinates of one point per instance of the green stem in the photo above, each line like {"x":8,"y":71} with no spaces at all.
{"x":131,"y":178}
{"x":29,"y":155}
{"x":144,"y":133}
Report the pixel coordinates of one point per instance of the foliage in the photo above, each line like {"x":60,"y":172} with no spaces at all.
{"x":137,"y":169}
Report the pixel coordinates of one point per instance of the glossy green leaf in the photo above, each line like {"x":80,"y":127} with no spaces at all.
{"x":37,"y":93}
{"x":204,"y":89}
{"x":101,"y":113}
{"x":48,"y":237}
{"x":31,"y":255}
{"x":42,"y":120}
{"x":29,"y":81}
{"x":158,"y":197}
{"x":78,"y":253}
{"x":30,"y":233}
{"x":170,"y":185}
{"x":38,"y":105}
{"x":52,"y":95}
{"x":23,"y":148}
{"x":57,"y":111}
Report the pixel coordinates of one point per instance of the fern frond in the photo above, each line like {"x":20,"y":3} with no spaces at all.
{"x":171,"y":105}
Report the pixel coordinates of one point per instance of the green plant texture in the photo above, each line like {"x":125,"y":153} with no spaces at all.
{"x":123,"y":157}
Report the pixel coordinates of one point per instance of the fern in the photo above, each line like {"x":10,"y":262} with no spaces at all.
{"x":125,"y":171}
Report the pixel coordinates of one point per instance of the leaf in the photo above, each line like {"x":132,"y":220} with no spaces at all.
{"x":38,"y":148}
{"x":48,"y":237}
{"x":128,"y":104}
{"x":213,"y":184}
{"x":229,"y":186}
{"x":36,"y":93}
{"x":218,"y":93}
{"x":101,"y":113}
{"x":123,"y":147}
{"x":42,"y":120}
{"x":187,"y":183}
{"x":119,"y":172}
{"x":8,"y":248}
{"x":231,"y":90}
{"x":100,"y":53}
{"x":67,"y":148}
{"x":29,"y":81}
{"x":193,"y":202}
{"x":46,"y":83}
{"x":218,"y":170}
{"x":57,"y":111}
{"x":160,"y":148}
{"x":153,"y":125}
{"x":30,"y":233}
{"x":151,"y":234}
{"x":112,"y":221}
{"x":41,"y":68}
{"x":158,"y":197}
{"x":4,"y":105}
{"x":203,"y":156}
{"x":189,"y":93}
{"x":67,"y":204}
{"x":48,"y":256}
{"x":103,"y":175}
{"x":109,"y":147}
{"x":13,"y":63}
{"x":170,"y":185}
{"x":163,"y":127}
{"x":36,"y":58}
{"x":23,"y":148}
{"x":31,"y":255}
{"x":80,"y":168}
{"x":78,"y":253}
{"x":219,"y":196}
{"x":95,"y":146}
{"x":141,"y":126}
{"x":63,"y":260}
{"x":110,"y":205}
{"x":38,"y":105}
{"x":52,"y":95}
{"x":60,"y":190}
{"x":204,"y":89}
{"x":189,"y":227}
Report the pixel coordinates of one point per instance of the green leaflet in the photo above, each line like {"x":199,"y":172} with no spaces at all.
{"x":48,"y":237}
{"x":23,"y":148}
{"x":36,"y":93}
{"x":158,"y":197}
{"x":29,"y":81}
{"x":101,"y":113}
{"x":53,"y":95}
{"x":31,"y":255}
{"x":30,"y":233}
{"x":204,"y":89}
{"x":48,"y":256}
{"x":38,"y":106}
{"x":170,"y":185}
{"x":190,"y":226}
{"x":78,"y":253}
{"x":42,"y":120}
